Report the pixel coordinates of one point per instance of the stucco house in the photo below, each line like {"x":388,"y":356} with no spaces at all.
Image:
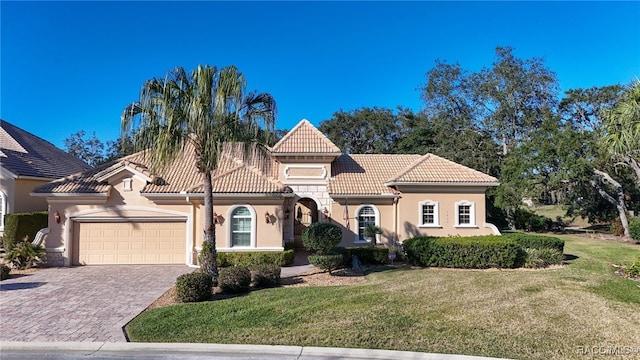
{"x":27,"y":161}
{"x":123,"y":213}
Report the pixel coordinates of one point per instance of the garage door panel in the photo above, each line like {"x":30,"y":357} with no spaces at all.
{"x":129,"y":243}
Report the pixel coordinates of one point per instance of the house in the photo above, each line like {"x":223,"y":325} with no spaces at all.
{"x":27,"y":161}
{"x":124,"y":213}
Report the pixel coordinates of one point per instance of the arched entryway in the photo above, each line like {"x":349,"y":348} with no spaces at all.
{"x":305,"y":213}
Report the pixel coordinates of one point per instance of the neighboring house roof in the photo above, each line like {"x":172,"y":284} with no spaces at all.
{"x":378,"y":174}
{"x":25,"y":154}
{"x":305,"y":138}
{"x":232,"y":176}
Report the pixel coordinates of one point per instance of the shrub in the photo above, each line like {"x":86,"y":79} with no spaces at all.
{"x":530,"y":221}
{"x":634,"y":229}
{"x":24,"y":255}
{"x":542,"y":258}
{"x":327,"y":262}
{"x":235,"y":279}
{"x":20,"y":227}
{"x":532,"y":241}
{"x":194,"y":287}
{"x":251,"y":258}
{"x":632,"y":270}
{"x":4,"y":271}
{"x":475,"y":252}
{"x":616,"y":227}
{"x":321,"y":238}
{"x":370,"y":255}
{"x":266,"y":275}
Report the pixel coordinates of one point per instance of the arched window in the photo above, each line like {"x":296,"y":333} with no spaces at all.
{"x":242,"y":220}
{"x":366,"y":215}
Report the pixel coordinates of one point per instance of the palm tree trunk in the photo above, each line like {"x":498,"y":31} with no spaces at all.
{"x":209,"y":258}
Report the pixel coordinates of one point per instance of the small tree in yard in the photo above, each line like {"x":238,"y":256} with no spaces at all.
{"x":371,"y":231}
{"x":322,"y":239}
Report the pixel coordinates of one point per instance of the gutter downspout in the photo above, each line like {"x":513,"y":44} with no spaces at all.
{"x":395,"y":221}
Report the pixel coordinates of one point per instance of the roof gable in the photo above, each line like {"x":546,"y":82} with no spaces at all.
{"x":25,"y":154}
{"x":304,"y":138}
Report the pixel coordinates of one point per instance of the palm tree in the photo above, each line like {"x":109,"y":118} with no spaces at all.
{"x":623,"y":129}
{"x":206,"y":110}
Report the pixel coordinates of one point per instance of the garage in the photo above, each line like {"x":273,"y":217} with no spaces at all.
{"x":102,"y":243}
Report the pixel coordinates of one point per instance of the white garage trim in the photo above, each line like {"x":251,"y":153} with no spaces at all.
{"x":84,"y":216}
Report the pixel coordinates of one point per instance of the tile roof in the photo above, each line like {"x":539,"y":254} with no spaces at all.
{"x":232,"y":176}
{"x":305,"y":138}
{"x":25,"y":154}
{"x":435,"y":169}
{"x":377,"y":174}
{"x":366,"y":174}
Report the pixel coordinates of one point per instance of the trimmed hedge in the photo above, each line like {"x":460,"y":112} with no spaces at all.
{"x":321,"y":238}
{"x":531,"y":241}
{"x":235,"y":279}
{"x":369,"y":255}
{"x":475,"y":252}
{"x":265,"y":275}
{"x":194,"y":287}
{"x":19,"y":227}
{"x":327,"y":262}
{"x":251,"y":258}
{"x":542,"y":258}
{"x":634,"y":229}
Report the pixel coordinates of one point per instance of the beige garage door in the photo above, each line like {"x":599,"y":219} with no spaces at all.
{"x":129,"y":243}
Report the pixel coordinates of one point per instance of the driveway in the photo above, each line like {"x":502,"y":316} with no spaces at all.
{"x":86,"y":303}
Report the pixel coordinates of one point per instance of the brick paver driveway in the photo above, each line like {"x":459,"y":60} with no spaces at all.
{"x":88,"y":303}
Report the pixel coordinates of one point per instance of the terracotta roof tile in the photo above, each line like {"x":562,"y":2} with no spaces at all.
{"x":232,"y":175}
{"x":435,"y":169}
{"x":305,"y":138}
{"x":360,"y":174}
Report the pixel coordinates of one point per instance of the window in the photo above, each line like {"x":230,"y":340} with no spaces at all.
{"x":241,"y":226}
{"x":429,"y":214}
{"x":465,"y":214}
{"x":126,"y":184}
{"x":366,"y":215}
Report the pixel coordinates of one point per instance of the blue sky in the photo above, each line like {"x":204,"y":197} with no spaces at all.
{"x":70,"y":66}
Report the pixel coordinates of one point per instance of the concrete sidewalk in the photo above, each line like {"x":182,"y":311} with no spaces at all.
{"x":169,"y":350}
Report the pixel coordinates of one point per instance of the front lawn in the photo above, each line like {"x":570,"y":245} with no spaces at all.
{"x":524,"y":314}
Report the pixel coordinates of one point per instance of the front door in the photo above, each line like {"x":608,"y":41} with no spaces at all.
{"x":305,"y":213}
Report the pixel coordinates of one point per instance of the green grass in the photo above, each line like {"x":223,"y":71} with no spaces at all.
{"x":524,"y":314}
{"x":553,"y":211}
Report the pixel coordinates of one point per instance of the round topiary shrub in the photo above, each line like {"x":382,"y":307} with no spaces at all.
{"x":326,"y":262}
{"x":321,"y":238}
{"x":4,"y":271}
{"x":266,"y":275}
{"x":194,"y":287}
{"x":235,"y":279}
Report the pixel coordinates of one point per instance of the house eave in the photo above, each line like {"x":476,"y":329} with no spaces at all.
{"x":192,"y":195}
{"x":434,"y":183}
{"x":358,"y":196}
{"x":71,"y":195}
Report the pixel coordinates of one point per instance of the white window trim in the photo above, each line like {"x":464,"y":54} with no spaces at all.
{"x":230,"y":227}
{"x":436,"y":214}
{"x":357,"y":220}
{"x":127,"y":184}
{"x":472,"y":214}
